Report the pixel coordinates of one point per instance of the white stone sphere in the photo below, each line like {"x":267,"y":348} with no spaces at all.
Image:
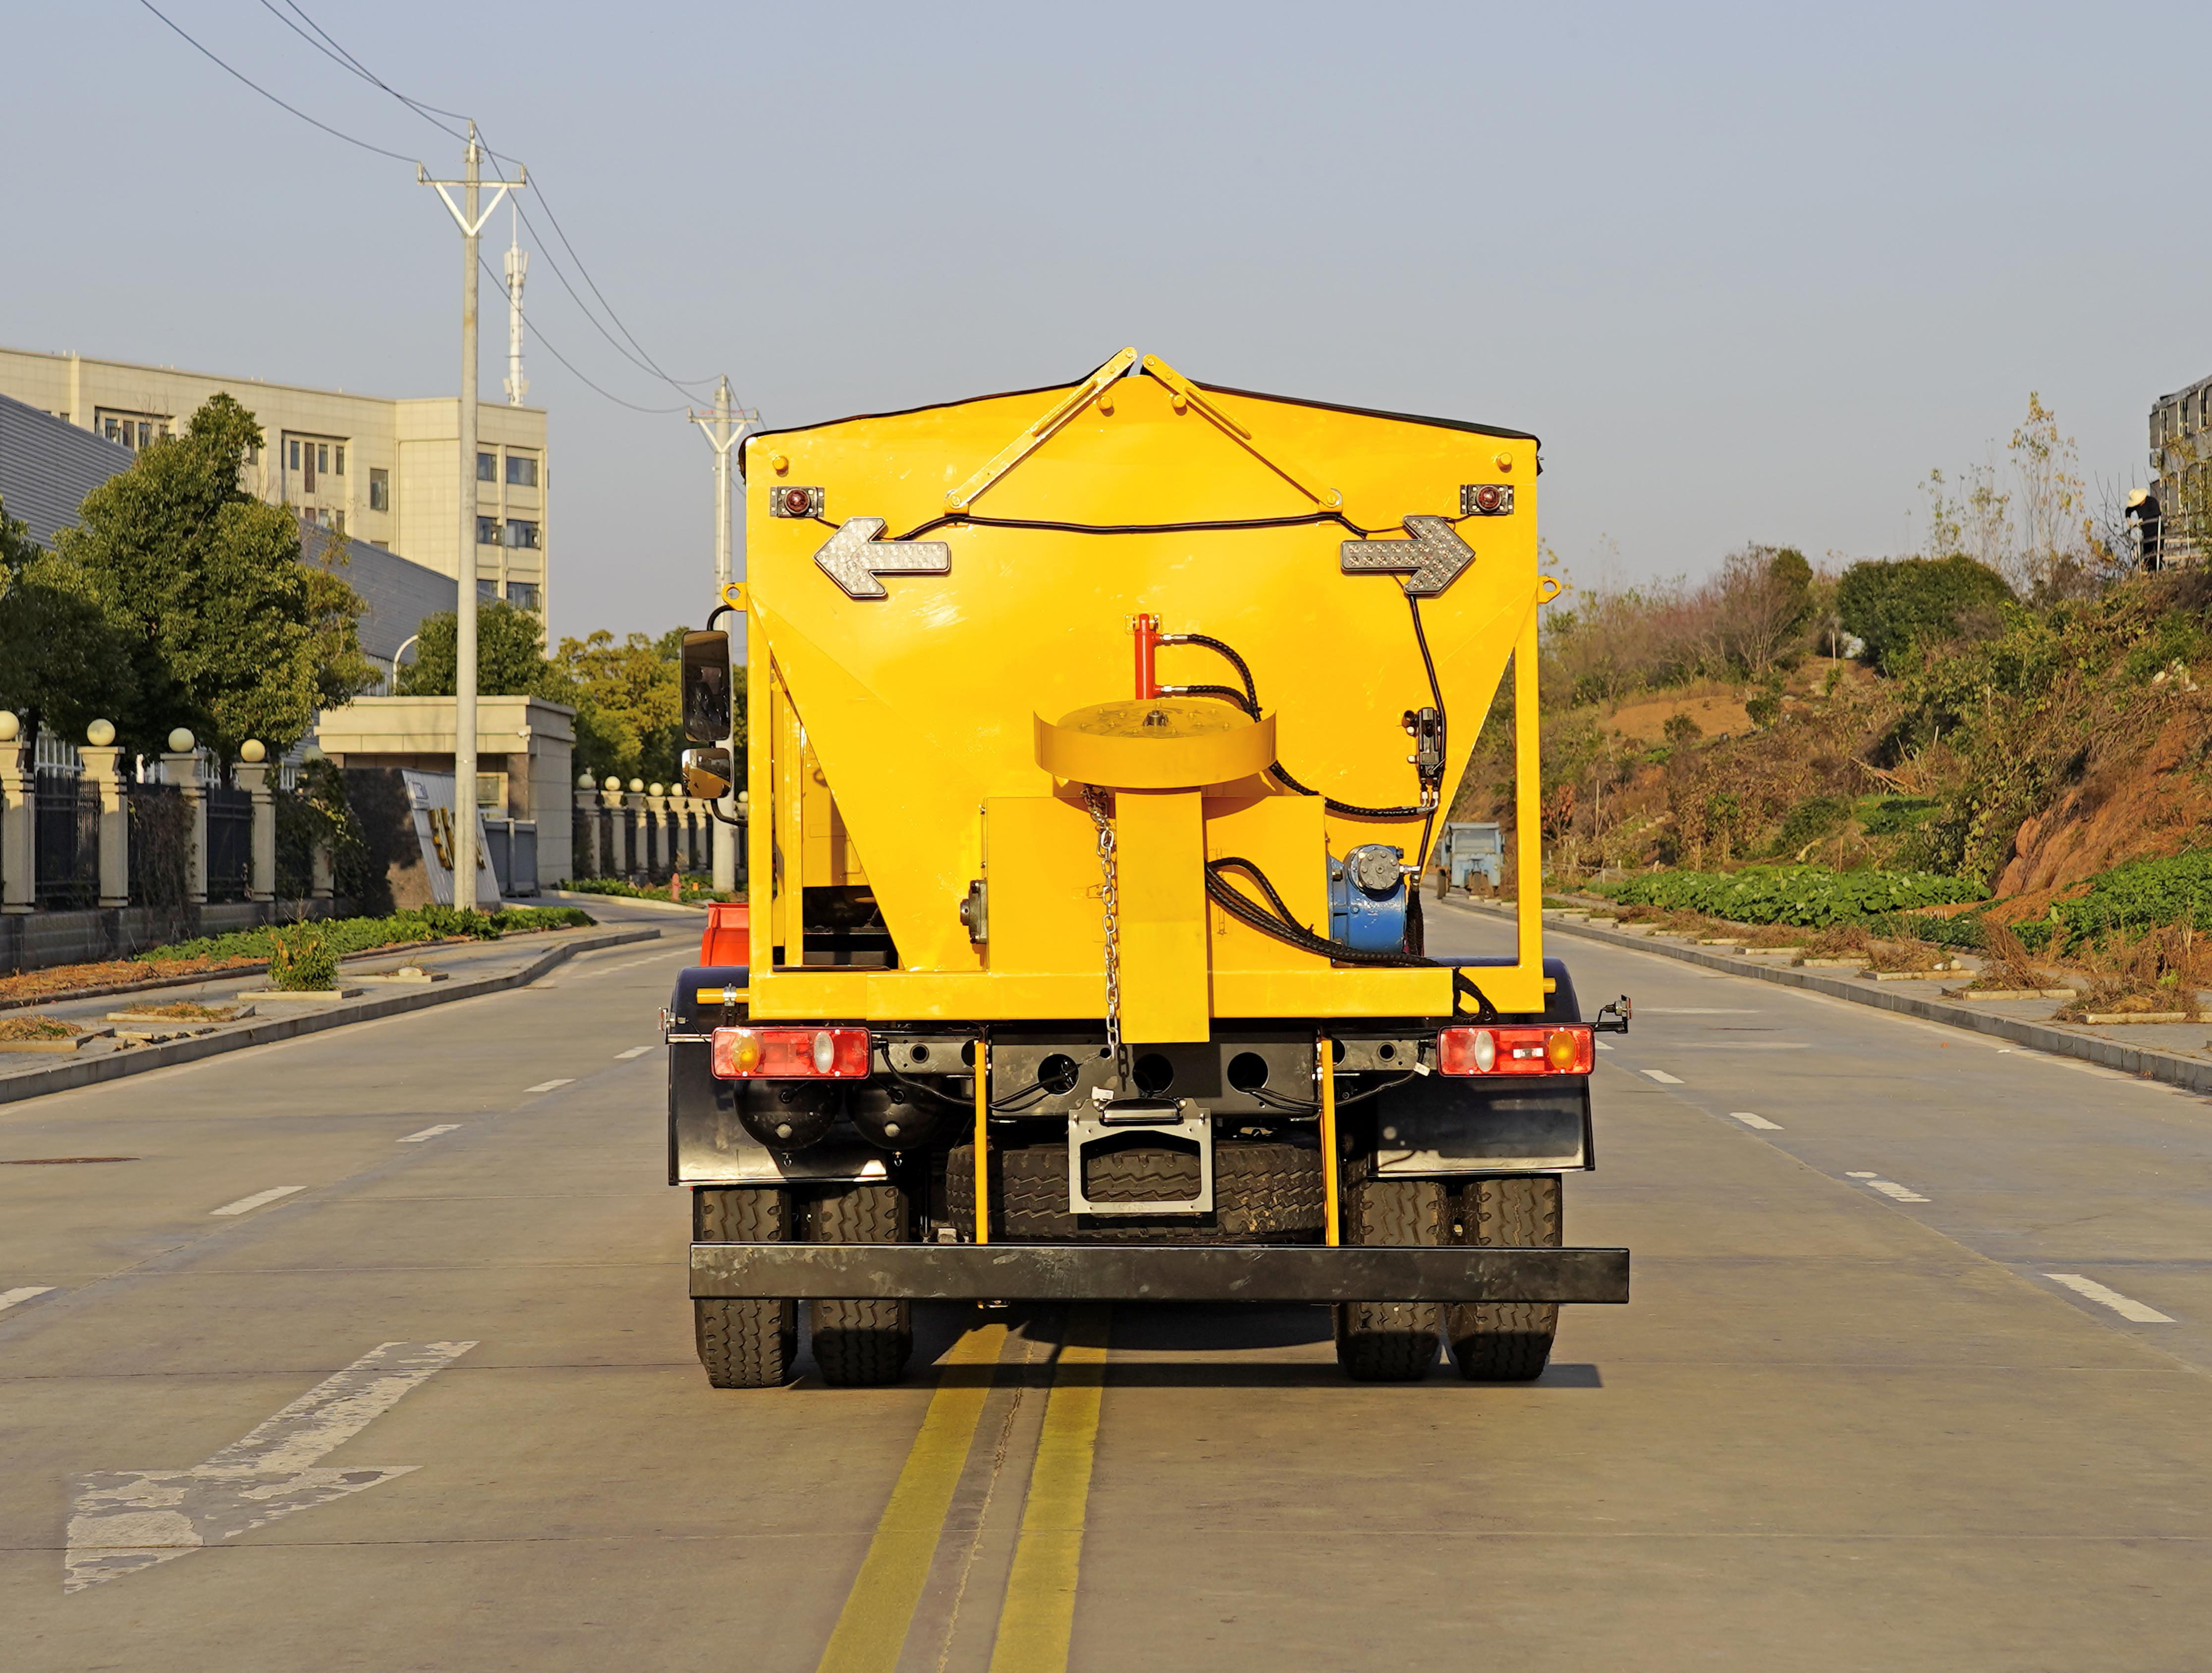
{"x":612,"y":784}
{"x":11,"y":726}
{"x":636,"y":786}
{"x":180,"y":740}
{"x":99,"y":735}
{"x":253,"y":752}
{"x":656,"y":789}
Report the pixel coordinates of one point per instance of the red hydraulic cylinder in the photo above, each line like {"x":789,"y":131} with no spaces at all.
{"x":1147,"y":631}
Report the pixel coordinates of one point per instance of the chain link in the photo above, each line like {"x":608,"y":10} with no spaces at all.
{"x":1095,"y":799}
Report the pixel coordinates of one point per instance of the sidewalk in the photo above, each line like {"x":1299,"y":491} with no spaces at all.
{"x":473,"y":968}
{"x":2179,"y":1054}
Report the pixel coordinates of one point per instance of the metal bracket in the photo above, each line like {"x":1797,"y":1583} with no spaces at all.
{"x":1040,"y":432}
{"x":1184,"y":395}
{"x":1181,"y":1118}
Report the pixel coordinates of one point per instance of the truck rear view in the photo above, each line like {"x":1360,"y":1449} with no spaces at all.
{"x":1097,"y":737}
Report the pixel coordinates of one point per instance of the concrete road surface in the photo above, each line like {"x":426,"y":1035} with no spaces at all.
{"x":376,"y":1355}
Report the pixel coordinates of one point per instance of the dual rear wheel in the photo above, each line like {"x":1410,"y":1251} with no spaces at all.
{"x":754,"y":1344}
{"x":1395,"y":1342}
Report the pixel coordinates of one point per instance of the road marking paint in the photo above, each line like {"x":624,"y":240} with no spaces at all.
{"x":1890,"y":1188}
{"x":1862,"y":1176}
{"x":1604,"y":1045}
{"x":547,"y":1085}
{"x":872,"y":1626}
{"x":634,"y":1051}
{"x":429,"y":1133}
{"x":1750,"y":1120}
{"x":1695,"y":1010}
{"x":124,"y":1520}
{"x":1661,"y":1076}
{"x":2123,"y":1305}
{"x":1740,"y":1045}
{"x":247,"y":1204}
{"x":1038,"y":1616}
{"x":10,"y":1297}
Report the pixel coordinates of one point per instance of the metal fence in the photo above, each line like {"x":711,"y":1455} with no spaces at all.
{"x":67,"y":841}
{"x":511,"y":846}
{"x":230,"y":844}
{"x":159,"y":844}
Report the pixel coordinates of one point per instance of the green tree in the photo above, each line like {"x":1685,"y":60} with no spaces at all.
{"x":511,"y":660}
{"x":1895,"y":603}
{"x":229,"y":632}
{"x":630,"y":719}
{"x":62,"y":664}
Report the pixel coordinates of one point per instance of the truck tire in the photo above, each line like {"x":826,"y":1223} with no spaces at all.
{"x":744,"y":1344}
{"x":1263,"y":1192}
{"x":1503,"y":1342}
{"x":1390,"y":1341}
{"x":860,"y":1344}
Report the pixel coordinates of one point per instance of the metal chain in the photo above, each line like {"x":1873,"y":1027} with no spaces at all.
{"x":1095,"y":799}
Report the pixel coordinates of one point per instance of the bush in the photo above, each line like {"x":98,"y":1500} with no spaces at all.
{"x":301,"y":959}
{"x":350,"y":935}
{"x":1808,"y":821}
{"x":1808,"y":895}
{"x":2144,"y":894}
{"x":1894,"y":604}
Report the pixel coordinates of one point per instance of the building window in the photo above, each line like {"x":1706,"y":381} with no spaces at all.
{"x":487,"y":591}
{"x":307,"y":475}
{"x":522,"y":471}
{"x":522,"y":594}
{"x":522,"y":531}
{"x":379,"y":489}
{"x":487,"y":531}
{"x":338,"y":469}
{"x":486,"y":467}
{"x":131,"y":430}
{"x":292,"y":455}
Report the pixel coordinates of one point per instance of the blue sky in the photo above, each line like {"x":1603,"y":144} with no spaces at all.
{"x":1750,"y":272}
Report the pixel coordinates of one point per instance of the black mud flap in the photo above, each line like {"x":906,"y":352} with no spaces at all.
{"x":1041,"y":1272}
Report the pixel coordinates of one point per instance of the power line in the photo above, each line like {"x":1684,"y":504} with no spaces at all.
{"x":546,"y":344}
{"x":334,"y":133}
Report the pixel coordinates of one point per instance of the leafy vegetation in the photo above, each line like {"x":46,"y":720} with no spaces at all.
{"x":1807,"y":895}
{"x":695,"y":889}
{"x":1896,"y":605}
{"x":2142,"y":895}
{"x":349,"y":935}
{"x":301,"y":959}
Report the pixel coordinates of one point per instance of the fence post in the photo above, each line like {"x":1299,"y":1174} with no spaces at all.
{"x":661,"y":847}
{"x":587,"y":804}
{"x":103,"y":767}
{"x":611,"y":800}
{"x":251,"y":774}
{"x":19,"y":816}
{"x":180,"y":766}
{"x":634,"y":811}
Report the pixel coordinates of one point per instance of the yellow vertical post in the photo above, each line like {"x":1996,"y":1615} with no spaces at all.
{"x":982,"y":1140}
{"x":1329,"y":1215}
{"x":1528,"y":805}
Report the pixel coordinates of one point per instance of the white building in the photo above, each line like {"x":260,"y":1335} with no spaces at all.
{"x":383,"y":472}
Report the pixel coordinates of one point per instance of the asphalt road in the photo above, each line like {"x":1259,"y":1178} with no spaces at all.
{"x":1849,"y":1419}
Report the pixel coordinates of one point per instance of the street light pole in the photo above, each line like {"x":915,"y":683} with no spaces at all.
{"x":725,"y":428}
{"x":470,"y":215}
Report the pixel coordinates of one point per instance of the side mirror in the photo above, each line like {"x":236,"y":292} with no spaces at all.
{"x":1614,"y":1018}
{"x":708,"y":774}
{"x":707,"y":716}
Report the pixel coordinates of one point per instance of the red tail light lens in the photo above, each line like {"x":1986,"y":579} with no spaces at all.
{"x":790,"y":1054}
{"x":1560,"y":1049}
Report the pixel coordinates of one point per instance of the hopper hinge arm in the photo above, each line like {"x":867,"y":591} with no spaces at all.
{"x":1183,"y":394}
{"x":1040,"y":432}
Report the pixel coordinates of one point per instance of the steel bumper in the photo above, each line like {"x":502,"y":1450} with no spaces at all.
{"x":1038,"y":1272}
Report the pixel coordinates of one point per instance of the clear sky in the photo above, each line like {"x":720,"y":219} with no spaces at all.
{"x":1749,"y":271}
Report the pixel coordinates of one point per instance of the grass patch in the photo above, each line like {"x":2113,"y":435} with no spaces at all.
{"x":184,"y":1010}
{"x":38,"y":1028}
{"x":1810,"y":896}
{"x":696,"y":889}
{"x":347,"y":935}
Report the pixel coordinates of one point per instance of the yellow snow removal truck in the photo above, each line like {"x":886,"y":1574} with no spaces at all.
{"x":1096,"y":736}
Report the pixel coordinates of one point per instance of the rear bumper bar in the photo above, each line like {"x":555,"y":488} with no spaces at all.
{"x":1038,"y":1272}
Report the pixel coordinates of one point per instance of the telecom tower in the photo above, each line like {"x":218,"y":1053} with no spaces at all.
{"x":518,"y":265}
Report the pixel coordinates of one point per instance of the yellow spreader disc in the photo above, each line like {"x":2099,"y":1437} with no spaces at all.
{"x":1166,"y":744}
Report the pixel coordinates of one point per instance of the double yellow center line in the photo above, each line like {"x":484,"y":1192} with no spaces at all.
{"x":1038,"y":1613}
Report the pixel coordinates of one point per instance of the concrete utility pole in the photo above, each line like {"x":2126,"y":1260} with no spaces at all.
{"x":724,"y":428}
{"x":470,"y":219}
{"x":518,"y":268}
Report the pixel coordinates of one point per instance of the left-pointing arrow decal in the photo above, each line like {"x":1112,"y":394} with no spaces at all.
{"x":854,"y":558}
{"x":124,"y":1520}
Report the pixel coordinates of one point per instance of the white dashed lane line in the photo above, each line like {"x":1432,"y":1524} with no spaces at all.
{"x":429,"y":1133}
{"x":1661,"y":1076}
{"x":1750,"y":1120}
{"x":1888,"y":1188}
{"x":634,"y":1051}
{"x":29,"y":1292}
{"x":2126,"y":1307}
{"x":547,"y":1085}
{"x":247,"y":1204}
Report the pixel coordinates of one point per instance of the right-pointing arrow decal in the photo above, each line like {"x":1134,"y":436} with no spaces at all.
{"x":854,"y":558}
{"x":1431,"y":557}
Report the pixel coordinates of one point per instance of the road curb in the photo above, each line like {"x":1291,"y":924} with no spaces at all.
{"x":581,"y":895}
{"x":114,"y":1066}
{"x":2182,"y":1072}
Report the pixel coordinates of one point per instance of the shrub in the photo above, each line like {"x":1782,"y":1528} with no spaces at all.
{"x":2144,"y":894}
{"x":301,"y":959}
{"x":1894,"y":604}
{"x":1808,"y":895}
{"x":349,"y":935}
{"x":1808,"y":821}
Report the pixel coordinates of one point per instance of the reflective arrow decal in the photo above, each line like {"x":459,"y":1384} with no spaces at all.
{"x":854,"y":558}
{"x":1430,"y":558}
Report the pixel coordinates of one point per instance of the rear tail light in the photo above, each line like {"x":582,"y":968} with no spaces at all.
{"x":1565,"y":1049}
{"x":791,"y":1054}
